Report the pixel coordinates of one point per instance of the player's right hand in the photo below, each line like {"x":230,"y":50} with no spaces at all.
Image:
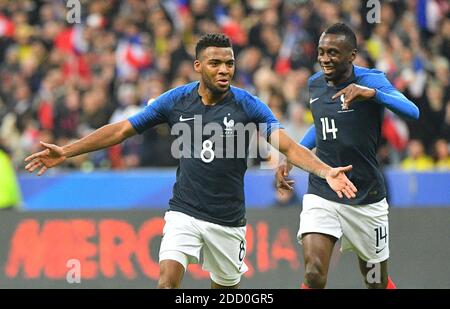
{"x":339,"y":182}
{"x":51,"y":156}
{"x":281,"y":177}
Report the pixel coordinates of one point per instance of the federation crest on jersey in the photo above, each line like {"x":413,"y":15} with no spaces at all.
{"x":229,"y":124}
{"x":344,"y":107}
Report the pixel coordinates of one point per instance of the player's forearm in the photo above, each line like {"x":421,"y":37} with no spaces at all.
{"x":398,"y":103}
{"x":307,"y":160}
{"x":103,"y":137}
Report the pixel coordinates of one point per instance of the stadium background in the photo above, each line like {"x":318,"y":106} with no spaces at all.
{"x":60,"y":81}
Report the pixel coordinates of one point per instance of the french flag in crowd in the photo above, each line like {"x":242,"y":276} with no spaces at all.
{"x":395,"y":130}
{"x":71,"y":41}
{"x":429,"y":12}
{"x":177,"y":10}
{"x":229,"y":27}
{"x":182,"y":6}
{"x":6,"y":27}
{"x":132,"y":56}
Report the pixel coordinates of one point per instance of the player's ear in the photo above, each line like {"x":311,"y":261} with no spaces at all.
{"x":353,"y":55}
{"x":197,"y":66}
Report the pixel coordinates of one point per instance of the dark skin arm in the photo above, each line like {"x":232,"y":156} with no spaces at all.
{"x":103,"y":137}
{"x":308,"y":161}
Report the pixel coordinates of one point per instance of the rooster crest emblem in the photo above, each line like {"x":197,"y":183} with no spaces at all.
{"x":229,"y":124}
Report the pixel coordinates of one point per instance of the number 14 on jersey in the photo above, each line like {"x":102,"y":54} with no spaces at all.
{"x":328,"y":127}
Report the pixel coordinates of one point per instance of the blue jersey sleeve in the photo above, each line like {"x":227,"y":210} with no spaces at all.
{"x":389,"y":96}
{"x":261,"y":115}
{"x":309,"y":140}
{"x":154,"y":113}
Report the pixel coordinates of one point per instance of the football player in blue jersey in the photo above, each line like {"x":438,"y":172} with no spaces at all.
{"x":207,"y":211}
{"x":347,"y":103}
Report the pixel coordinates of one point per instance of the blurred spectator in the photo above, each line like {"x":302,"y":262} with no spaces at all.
{"x":441,"y":155}
{"x":298,"y":122}
{"x":417,"y":160}
{"x":10,"y":196}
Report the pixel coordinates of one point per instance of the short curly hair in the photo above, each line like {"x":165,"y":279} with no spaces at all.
{"x":343,"y":29}
{"x":211,"y":39}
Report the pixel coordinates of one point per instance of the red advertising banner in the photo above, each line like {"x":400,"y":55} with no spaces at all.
{"x":111,"y":247}
{"x":120,"y":250}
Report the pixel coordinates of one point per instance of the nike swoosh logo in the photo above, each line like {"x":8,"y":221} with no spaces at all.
{"x":378,"y":251}
{"x":185,"y":119}
{"x":313,"y":100}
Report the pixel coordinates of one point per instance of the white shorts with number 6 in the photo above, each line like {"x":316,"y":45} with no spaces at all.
{"x":185,"y":237}
{"x":364,"y":228}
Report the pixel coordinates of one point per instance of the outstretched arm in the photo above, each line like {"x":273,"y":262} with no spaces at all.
{"x":308,"y":141}
{"x":308,"y":161}
{"x":103,"y":137}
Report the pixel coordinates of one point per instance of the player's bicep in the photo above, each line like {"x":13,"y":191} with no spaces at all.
{"x":127,"y":128}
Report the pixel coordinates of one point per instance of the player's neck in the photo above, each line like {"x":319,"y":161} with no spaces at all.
{"x":342,"y":78}
{"x":209,"y":97}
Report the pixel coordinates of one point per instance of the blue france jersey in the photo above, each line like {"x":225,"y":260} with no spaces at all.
{"x":352,"y":136}
{"x":210,"y":175}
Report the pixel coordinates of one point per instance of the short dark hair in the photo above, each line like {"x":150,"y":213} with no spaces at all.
{"x":343,"y":29}
{"x":211,"y":39}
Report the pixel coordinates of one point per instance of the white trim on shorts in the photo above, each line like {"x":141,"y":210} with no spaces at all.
{"x":174,"y":255}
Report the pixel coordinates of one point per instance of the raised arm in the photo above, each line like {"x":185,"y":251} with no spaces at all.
{"x":103,"y":137}
{"x":377,"y":86}
{"x":154,"y":113}
{"x":397,"y":102}
{"x":308,"y":161}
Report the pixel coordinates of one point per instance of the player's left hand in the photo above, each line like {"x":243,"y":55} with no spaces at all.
{"x":339,"y":182}
{"x":353,"y":92}
{"x":282,"y":182}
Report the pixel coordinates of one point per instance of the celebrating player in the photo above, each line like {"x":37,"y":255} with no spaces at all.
{"x":347,"y":104}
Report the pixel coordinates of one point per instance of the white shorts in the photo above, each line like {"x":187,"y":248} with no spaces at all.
{"x":364,"y":228}
{"x":224,"y":247}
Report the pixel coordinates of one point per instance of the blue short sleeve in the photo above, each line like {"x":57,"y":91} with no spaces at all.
{"x":154,"y":113}
{"x":258,"y":112}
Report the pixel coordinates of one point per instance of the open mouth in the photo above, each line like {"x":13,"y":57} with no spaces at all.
{"x":223,"y":82}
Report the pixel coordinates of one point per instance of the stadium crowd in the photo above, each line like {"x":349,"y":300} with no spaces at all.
{"x":61,"y":80}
